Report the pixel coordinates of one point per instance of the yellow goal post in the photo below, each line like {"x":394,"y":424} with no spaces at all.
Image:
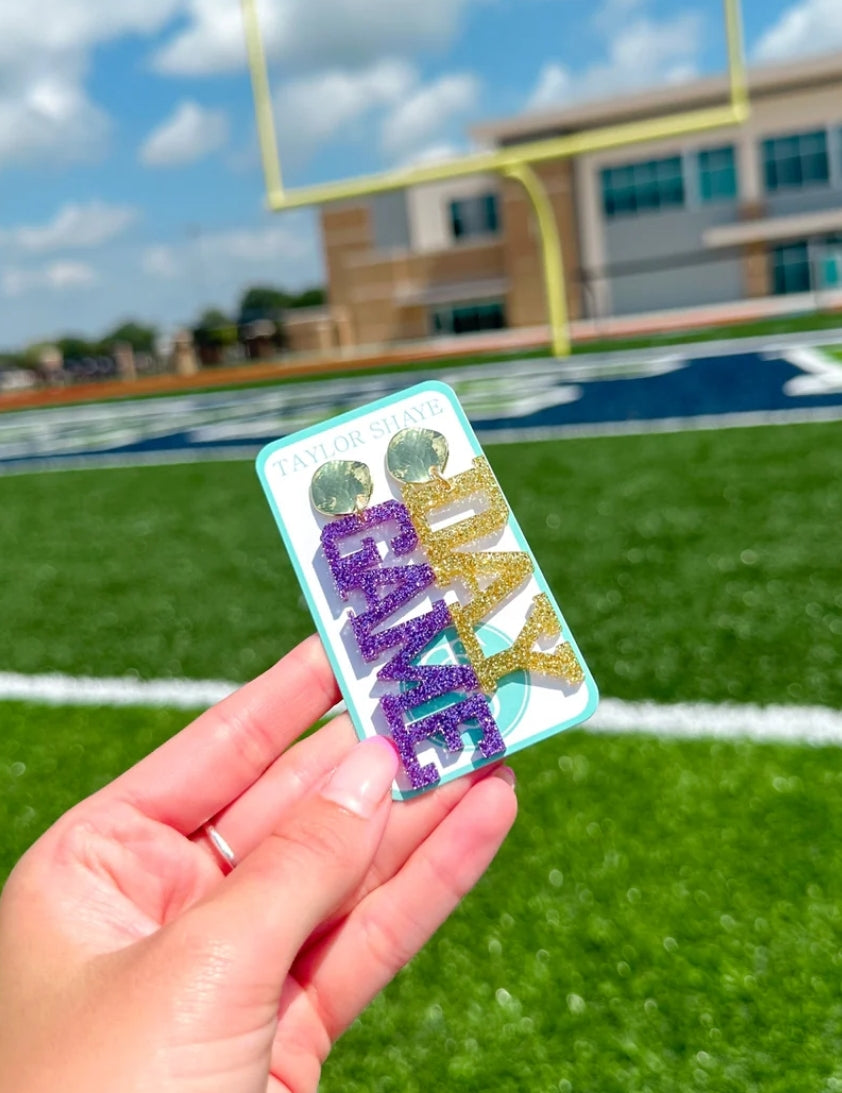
{"x":516,"y":161}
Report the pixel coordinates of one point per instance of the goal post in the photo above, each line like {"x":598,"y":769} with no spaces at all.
{"x":514,"y":162}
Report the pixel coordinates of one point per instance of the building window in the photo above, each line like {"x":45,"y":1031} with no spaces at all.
{"x":469,"y":318}
{"x":717,"y":174}
{"x":793,"y":163}
{"x":791,"y":268}
{"x":475,"y":216}
{"x":643,"y":187}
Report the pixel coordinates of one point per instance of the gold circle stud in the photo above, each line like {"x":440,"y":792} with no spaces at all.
{"x":417,"y":455}
{"x":341,"y":487}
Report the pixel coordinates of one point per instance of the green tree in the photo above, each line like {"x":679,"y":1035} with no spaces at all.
{"x":214,"y":334}
{"x":141,"y":338}
{"x":75,"y":348}
{"x":263,"y":302}
{"x":311,"y":297}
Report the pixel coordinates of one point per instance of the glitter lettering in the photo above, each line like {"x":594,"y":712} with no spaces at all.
{"x":413,"y":636}
{"x":347,"y":569}
{"x":542,"y":622}
{"x":422,"y":499}
{"x":450,"y":724}
{"x":406,"y":581}
{"x":491,"y":579}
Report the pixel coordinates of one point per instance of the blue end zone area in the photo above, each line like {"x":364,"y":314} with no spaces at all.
{"x":505,"y":402}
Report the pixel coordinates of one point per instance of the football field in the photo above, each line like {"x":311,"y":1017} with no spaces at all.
{"x":667,"y":913}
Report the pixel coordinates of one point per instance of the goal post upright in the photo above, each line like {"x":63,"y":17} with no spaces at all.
{"x":516,"y":162}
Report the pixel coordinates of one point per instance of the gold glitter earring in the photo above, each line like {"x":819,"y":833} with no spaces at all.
{"x":341,"y":487}
{"x":417,"y":455}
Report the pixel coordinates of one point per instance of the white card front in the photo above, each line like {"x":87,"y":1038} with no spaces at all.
{"x":438,"y":622}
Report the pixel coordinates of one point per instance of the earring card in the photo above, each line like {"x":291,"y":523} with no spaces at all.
{"x":440,"y":627}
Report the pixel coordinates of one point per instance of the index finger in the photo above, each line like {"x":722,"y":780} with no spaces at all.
{"x":216,"y":758}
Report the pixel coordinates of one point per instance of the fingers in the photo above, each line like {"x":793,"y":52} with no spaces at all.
{"x":214,"y":760}
{"x":346,"y":970}
{"x":265,"y":911}
{"x":257,"y":812}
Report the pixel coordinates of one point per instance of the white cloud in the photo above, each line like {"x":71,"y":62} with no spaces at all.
{"x":162,"y":260}
{"x":641,"y":53}
{"x":810,"y":26}
{"x":316,"y":109}
{"x":427,"y":111}
{"x":176,"y":281}
{"x":49,"y":119}
{"x":440,"y":152}
{"x":55,"y":277}
{"x":189,"y":134}
{"x":46,"y":114}
{"x":343,"y":105}
{"x":555,"y":85}
{"x":73,"y":227}
{"x":271,"y":248}
{"x":309,"y":33}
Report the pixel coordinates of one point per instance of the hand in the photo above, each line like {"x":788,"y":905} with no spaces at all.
{"x":130,"y":962}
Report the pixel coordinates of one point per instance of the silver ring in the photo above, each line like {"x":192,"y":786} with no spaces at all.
{"x":222,"y":848}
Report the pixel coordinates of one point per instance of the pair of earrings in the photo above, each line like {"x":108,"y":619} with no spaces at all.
{"x":344,"y":486}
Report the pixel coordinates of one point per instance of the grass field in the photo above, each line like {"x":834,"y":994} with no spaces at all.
{"x":665,"y":915}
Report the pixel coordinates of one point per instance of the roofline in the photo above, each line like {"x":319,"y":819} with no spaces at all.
{"x":709,"y":91}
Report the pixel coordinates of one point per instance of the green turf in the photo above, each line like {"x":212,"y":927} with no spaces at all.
{"x":51,"y":758}
{"x":701,"y":565}
{"x":762,"y":328}
{"x":665,"y":916}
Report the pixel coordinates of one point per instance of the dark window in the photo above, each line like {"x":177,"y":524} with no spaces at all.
{"x":806,"y":265}
{"x":717,"y":174}
{"x":469,"y":318}
{"x":475,"y":216}
{"x":796,"y":162}
{"x":791,"y":268}
{"x":643,"y":187}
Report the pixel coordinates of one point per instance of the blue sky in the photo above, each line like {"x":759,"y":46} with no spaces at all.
{"x":130,"y":183}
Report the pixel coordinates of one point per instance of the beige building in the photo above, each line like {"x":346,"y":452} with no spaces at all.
{"x":748,"y":213}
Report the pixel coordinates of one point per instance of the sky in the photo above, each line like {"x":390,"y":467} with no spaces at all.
{"x":130,"y":180}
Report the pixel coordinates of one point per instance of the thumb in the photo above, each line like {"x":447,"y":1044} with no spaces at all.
{"x":302,"y":873}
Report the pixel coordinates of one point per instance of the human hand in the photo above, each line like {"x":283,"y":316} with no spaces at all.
{"x":130,"y":962}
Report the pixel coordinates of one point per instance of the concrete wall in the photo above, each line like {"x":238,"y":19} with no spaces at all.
{"x":668,"y":241}
{"x":390,"y":221}
{"x":814,"y":200}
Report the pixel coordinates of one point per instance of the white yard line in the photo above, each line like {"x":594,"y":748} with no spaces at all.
{"x":697,"y":720}
{"x":684,"y":720}
{"x":60,"y":690}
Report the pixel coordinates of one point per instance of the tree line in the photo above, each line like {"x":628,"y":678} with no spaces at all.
{"x":215,"y":328}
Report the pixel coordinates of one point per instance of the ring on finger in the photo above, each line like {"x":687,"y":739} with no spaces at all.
{"x":222,"y":847}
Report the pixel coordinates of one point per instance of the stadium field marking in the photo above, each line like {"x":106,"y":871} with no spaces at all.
{"x":701,"y":422}
{"x":61,"y":690}
{"x":816,"y":725}
{"x":233,"y":425}
{"x":748,"y":419}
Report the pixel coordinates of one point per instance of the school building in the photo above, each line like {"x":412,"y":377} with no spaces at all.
{"x":752,"y":213}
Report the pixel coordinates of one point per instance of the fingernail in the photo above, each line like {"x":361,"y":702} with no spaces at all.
{"x":364,"y":777}
{"x":508,"y":776}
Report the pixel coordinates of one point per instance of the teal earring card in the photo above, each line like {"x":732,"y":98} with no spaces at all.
{"x":441,"y":629}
